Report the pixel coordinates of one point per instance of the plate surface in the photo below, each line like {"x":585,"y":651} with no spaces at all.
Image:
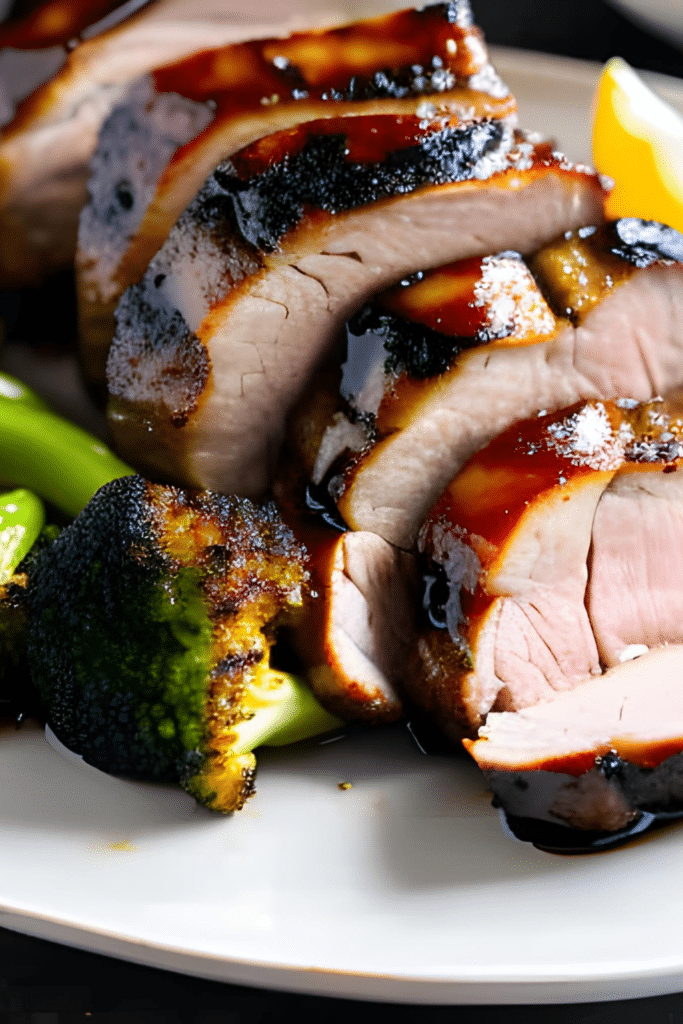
{"x":403,"y":887}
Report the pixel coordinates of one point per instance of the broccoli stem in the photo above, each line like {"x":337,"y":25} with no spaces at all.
{"x":62,"y":463}
{"x":286,"y":712}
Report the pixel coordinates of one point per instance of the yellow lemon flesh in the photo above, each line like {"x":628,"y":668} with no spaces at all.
{"x":638,"y":141}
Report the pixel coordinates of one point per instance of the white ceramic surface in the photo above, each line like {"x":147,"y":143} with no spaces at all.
{"x":404,"y":887}
{"x":665,"y":17}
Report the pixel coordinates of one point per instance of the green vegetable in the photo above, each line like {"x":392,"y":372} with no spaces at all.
{"x":65,"y":465}
{"x":151,"y":622}
{"x":62,"y":463}
{"x":22,"y":517}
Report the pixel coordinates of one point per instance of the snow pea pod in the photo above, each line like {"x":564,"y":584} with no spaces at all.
{"x":62,"y":463}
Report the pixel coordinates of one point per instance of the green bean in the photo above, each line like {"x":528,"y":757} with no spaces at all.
{"x":22,"y":517}
{"x":58,"y":460}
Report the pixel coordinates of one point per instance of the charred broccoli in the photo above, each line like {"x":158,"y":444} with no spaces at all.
{"x":151,"y":621}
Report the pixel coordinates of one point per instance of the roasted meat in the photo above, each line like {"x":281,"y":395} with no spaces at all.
{"x":357,"y":637}
{"x":171,"y":129}
{"x":550,"y":564}
{"x":34,"y":41}
{"x":250,"y":291}
{"x":460,"y":354}
{"x":46,"y":148}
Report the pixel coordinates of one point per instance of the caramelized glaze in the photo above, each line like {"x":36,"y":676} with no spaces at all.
{"x":55,"y":23}
{"x":493,"y":490}
{"x":442,"y":299}
{"x":579,"y":270}
{"x":367,"y":140}
{"x":501,"y":301}
{"x":642,"y":753}
{"x":488,"y":497}
{"x":418,"y":51}
{"x":531,"y":464}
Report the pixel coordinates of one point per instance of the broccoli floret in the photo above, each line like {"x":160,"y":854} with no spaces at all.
{"x":151,"y":621}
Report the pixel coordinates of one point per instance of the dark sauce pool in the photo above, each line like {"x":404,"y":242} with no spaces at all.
{"x":561,"y":840}
{"x":544,"y":835}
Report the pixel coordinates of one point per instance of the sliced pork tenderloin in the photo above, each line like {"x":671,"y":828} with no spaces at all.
{"x":637,"y":550}
{"x":602,"y":317}
{"x":281,"y":245}
{"x":34,"y":42}
{"x":634,"y":710}
{"x":432,"y":60}
{"x":506,"y":548}
{"x":496,"y":520}
{"x":356,"y":641}
{"x":596,"y":759}
{"x":46,"y":148}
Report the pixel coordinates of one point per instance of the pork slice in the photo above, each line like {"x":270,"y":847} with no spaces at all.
{"x":600,"y":756}
{"x":634,"y":596}
{"x":603,"y":761}
{"x":356,"y":642}
{"x":634,"y":709}
{"x":135,"y":143}
{"x":46,"y":148}
{"x":510,"y":540}
{"x":33,"y":45}
{"x":625,"y":343}
{"x":216,"y":344}
{"x":398,"y":63}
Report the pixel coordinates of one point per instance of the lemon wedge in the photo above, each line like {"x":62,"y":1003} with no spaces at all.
{"x":638,"y":141}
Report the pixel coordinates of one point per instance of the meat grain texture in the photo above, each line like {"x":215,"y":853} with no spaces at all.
{"x":46,"y":147}
{"x":617,"y":336}
{"x":568,"y":623}
{"x":282,"y":244}
{"x":173,"y":126}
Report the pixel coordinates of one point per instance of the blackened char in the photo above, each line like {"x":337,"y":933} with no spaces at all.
{"x":642,"y":242}
{"x":617,"y":333}
{"x":322,"y":176}
{"x":268,"y":319}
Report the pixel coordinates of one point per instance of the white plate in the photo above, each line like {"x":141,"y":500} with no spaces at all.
{"x":404,"y":887}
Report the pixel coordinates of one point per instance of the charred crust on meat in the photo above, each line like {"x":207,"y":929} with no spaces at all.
{"x":123,"y":174}
{"x":414,"y":348}
{"x":159,"y":336}
{"x":123,"y":194}
{"x":651,"y":797}
{"x":396,"y":83}
{"x":155,"y":354}
{"x":429,"y":62}
{"x":458,"y":12}
{"x":317,"y":173}
{"x":643,"y":242}
{"x":609,"y":764}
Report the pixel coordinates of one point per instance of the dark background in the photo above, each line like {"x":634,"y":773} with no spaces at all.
{"x":49,"y":984}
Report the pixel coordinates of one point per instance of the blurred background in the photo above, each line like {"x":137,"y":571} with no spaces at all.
{"x":50,"y":984}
